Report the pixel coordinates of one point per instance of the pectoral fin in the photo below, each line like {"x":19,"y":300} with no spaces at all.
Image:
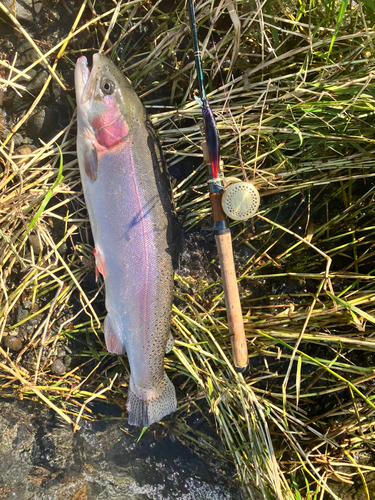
{"x":90,"y":160}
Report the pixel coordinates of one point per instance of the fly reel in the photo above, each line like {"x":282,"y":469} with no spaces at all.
{"x":240,"y":199}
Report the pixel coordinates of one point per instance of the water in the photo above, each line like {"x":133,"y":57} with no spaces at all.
{"x":41,"y":459}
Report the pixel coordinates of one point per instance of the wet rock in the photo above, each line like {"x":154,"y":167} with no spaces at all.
{"x":39,"y":476}
{"x":26,"y":304}
{"x":26,"y":54}
{"x":61,"y":352}
{"x":4,"y":131}
{"x":38,"y":80}
{"x":25,"y":11}
{"x":58,"y":367}
{"x":22,"y":313}
{"x":17,"y":138}
{"x":25,"y":149}
{"x":42,"y":459}
{"x":34,"y":322}
{"x":67,"y":361}
{"x":12,"y":343}
{"x":56,"y":90}
{"x":62,"y":248}
{"x":36,"y":77}
{"x":356,"y":491}
{"x":42,"y":124}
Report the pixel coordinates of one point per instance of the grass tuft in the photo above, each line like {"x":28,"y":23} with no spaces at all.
{"x":292,"y":88}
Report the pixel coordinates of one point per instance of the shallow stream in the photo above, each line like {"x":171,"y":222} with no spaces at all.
{"x":42,"y":459}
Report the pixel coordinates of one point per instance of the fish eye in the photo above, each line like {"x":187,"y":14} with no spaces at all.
{"x":107,"y":87}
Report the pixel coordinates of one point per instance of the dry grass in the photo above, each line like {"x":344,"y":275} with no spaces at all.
{"x":291,"y":86}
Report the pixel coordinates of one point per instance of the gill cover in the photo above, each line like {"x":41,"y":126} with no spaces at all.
{"x":104,"y":111}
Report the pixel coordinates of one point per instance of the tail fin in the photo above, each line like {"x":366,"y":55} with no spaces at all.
{"x":153,"y":410}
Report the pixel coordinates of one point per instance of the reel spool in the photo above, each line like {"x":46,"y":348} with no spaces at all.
{"x":240,"y":200}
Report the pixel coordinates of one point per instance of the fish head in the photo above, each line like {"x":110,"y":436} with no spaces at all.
{"x":107,"y":106}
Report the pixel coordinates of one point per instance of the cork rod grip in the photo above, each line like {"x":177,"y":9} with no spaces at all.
{"x":232,"y":302}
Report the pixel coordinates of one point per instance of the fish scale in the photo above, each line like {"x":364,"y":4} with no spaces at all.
{"x":135,"y":230}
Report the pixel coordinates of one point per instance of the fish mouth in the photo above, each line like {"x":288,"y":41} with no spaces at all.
{"x":86,"y":80}
{"x":81,"y":77}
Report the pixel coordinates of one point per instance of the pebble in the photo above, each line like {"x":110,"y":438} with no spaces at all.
{"x":37,"y":82}
{"x":26,"y":54}
{"x":26,"y":304}
{"x":25,"y":11}
{"x":18,"y":139}
{"x":35,"y":243}
{"x":14,"y":332}
{"x":21,"y":101}
{"x":8,"y":45}
{"x":22,"y":313}
{"x":25,"y":150}
{"x":67,"y":361}
{"x":63,"y":248}
{"x":42,"y":124}
{"x":12,"y":343}
{"x":61,"y":352}
{"x":58,"y":367}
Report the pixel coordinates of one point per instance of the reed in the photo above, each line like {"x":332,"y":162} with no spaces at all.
{"x":291,"y":85}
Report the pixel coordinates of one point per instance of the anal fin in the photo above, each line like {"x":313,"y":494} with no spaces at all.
{"x":112,"y":340}
{"x":170,"y":343}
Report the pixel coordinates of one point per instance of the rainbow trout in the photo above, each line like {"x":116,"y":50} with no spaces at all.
{"x":128,"y":197}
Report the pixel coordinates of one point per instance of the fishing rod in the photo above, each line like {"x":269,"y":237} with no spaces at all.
{"x":236,"y":200}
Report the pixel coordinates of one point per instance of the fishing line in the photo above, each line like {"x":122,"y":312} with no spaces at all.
{"x":233,"y":124}
{"x":237,"y":206}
